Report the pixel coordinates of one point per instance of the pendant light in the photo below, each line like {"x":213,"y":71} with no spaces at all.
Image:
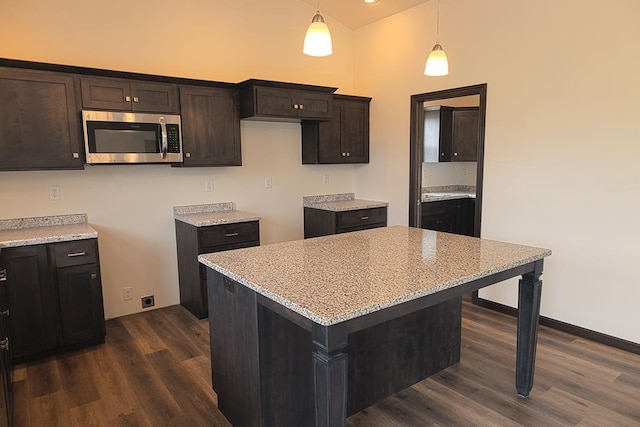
{"x":437,"y":64}
{"x":317,"y":42}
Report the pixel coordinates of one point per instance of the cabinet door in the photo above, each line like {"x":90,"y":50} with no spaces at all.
{"x":210,"y":126}
{"x":275,"y":102}
{"x":154,"y":97}
{"x":32,"y":300}
{"x":329,"y":137}
{"x":81,"y":306}
{"x":464,"y":135}
{"x":465,"y":217}
{"x":106,"y":94}
{"x":312,"y":105}
{"x":355,"y":131}
{"x":39,"y":121}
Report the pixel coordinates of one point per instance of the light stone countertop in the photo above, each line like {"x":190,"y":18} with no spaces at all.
{"x":212,"y":214}
{"x":335,"y":278}
{"x":47,"y":229}
{"x":340,"y":202}
{"x":448,"y":192}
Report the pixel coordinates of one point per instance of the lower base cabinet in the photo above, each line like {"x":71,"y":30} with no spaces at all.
{"x":451,"y":216}
{"x":193,"y":241}
{"x":320,"y":222}
{"x":54,"y":296}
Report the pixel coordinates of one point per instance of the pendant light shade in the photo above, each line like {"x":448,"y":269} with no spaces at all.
{"x":317,"y":42}
{"x":437,"y":63}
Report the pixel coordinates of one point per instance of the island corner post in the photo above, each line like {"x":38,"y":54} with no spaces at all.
{"x":529,"y":295}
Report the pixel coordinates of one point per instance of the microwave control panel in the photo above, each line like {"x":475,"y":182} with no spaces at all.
{"x":173,"y":138}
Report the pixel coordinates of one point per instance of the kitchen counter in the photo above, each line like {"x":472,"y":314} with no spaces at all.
{"x":212,"y":214}
{"x":448,"y":192}
{"x":47,"y":229}
{"x":336,"y":278}
{"x":340,"y":202}
{"x":352,"y":318}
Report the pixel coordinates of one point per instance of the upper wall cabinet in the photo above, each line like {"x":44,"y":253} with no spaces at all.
{"x":344,"y":138}
{"x":268,"y":100}
{"x":210,"y":126}
{"x":129,"y":95}
{"x":39,"y":121}
{"x":451,"y":134}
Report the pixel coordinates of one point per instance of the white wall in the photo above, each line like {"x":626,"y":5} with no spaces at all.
{"x":131,"y":205}
{"x":562,"y":151}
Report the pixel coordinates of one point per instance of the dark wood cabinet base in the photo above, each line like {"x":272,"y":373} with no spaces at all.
{"x":264,"y":375}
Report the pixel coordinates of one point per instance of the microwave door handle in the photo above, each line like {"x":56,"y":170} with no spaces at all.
{"x":164,"y":139}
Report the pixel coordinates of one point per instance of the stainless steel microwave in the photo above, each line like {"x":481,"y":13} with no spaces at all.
{"x":115,"y":137}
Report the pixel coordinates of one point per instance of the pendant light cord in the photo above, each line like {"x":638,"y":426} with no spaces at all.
{"x":437,"y":22}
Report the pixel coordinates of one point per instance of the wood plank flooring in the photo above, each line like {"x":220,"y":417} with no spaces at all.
{"x":154,"y":370}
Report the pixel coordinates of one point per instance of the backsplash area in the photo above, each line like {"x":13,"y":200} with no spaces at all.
{"x":449,"y":173}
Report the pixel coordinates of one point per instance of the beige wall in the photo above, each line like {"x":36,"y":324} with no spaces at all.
{"x":562,"y":151}
{"x":131,"y":206}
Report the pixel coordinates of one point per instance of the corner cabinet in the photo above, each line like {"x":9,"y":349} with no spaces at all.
{"x":54,"y":296}
{"x":451,"y":134}
{"x":210,"y":126}
{"x":102,"y":93}
{"x":344,"y":138}
{"x":39,"y":121}
{"x":269,"y":100}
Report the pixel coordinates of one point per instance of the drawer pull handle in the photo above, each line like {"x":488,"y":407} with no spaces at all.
{"x":364,"y":218}
{"x":231,"y":234}
{"x":75,"y":254}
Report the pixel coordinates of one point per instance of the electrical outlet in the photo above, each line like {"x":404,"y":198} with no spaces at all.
{"x":127,"y":293}
{"x":268,"y":183}
{"x":325,"y":179}
{"x":208,"y":185}
{"x":54,"y":192}
{"x":148,"y":301}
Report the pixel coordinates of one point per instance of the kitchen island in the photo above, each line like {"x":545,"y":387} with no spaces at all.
{"x":308,"y":332}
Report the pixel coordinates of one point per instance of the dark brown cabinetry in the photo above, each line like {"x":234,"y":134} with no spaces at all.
{"x":6,"y":388}
{"x":320,"y":222}
{"x":100,"y":93}
{"x":284,"y":101}
{"x":39,"y":121}
{"x":193,"y":241}
{"x":210,"y":126}
{"x":54,"y":296}
{"x":451,"y":134}
{"x":451,"y":216}
{"x":344,"y":138}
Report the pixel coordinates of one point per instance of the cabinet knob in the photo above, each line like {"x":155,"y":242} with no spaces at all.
{"x":295,"y":106}
{"x":4,"y":344}
{"x":455,"y":154}
{"x":5,"y":313}
{"x":302,"y":106}
{"x":3,"y":275}
{"x":187,"y":155}
{"x":344,"y":154}
{"x":135,"y":99}
{"x":127,"y":99}
{"x":348,"y":154}
{"x":94,"y":276}
{"x":76,"y":155}
{"x":442,"y":154}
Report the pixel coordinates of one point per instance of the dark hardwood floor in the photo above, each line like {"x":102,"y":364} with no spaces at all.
{"x":154,"y":370}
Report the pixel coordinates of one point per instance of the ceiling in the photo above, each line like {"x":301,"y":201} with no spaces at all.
{"x":357,"y":13}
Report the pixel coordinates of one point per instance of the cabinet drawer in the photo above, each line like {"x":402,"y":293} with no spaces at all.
{"x":227,"y":234}
{"x":77,"y":252}
{"x":362,"y":217}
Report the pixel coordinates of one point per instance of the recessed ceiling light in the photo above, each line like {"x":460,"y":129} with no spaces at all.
{"x":371,"y":1}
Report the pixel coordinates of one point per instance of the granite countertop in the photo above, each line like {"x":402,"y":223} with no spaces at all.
{"x":335,"y":278}
{"x":211,"y":214}
{"x":340,"y":202}
{"x":448,"y":192}
{"x":45,"y":229}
